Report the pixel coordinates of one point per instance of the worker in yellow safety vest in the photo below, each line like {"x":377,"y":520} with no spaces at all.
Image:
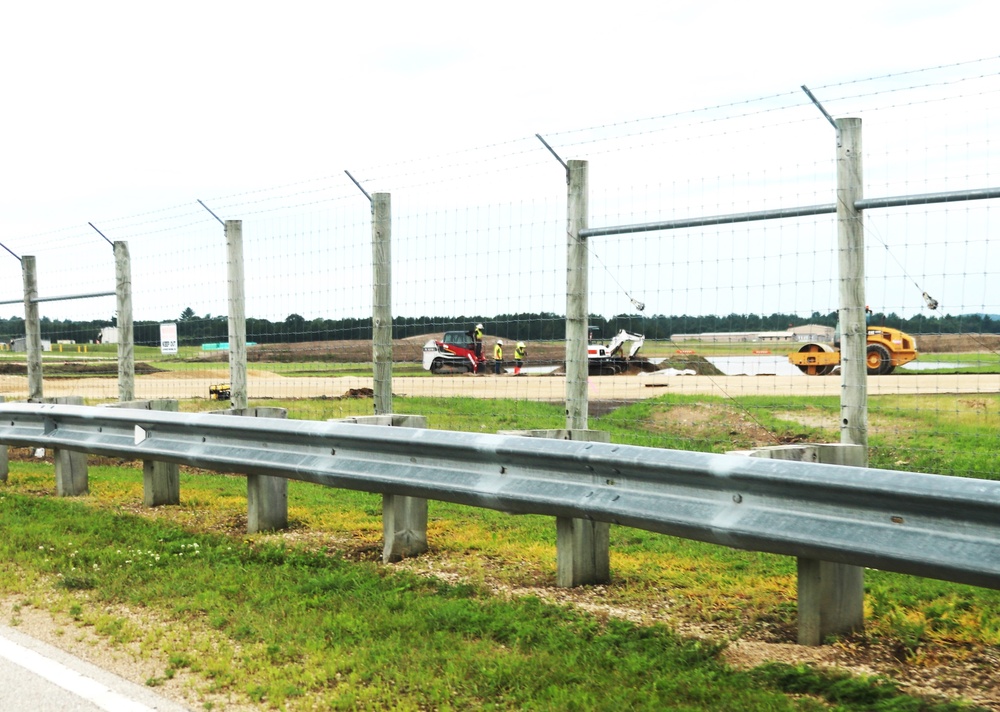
{"x":498,"y":358}
{"x":519,"y":353}
{"x":477,"y":340}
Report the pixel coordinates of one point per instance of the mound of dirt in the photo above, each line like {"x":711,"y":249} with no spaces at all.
{"x":76,"y":368}
{"x":957,"y":343}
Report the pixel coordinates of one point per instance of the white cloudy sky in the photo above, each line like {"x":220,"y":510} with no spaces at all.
{"x":116,"y":108}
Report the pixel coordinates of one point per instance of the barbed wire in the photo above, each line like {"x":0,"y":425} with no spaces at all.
{"x":523,"y":153}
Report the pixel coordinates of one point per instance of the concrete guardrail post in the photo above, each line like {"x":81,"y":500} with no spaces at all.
{"x":404,"y":519}
{"x":71,"y":467}
{"x":830,"y":595}
{"x":582,"y":546}
{"x":267,"y":497}
{"x":161,"y":481}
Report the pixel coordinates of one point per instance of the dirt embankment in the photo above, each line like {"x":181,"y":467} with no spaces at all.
{"x":75,"y":369}
{"x":958,"y":343}
{"x":411,"y":350}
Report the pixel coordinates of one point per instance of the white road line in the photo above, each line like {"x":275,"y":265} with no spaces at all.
{"x":70,"y":680}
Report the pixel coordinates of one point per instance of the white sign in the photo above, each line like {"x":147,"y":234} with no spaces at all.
{"x":168,"y":338}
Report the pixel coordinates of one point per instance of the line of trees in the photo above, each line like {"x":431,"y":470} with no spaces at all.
{"x":526,"y":326}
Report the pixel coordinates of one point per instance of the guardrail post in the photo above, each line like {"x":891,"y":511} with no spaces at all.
{"x":161,"y":481}
{"x":831,"y":596}
{"x":267,"y":497}
{"x":71,"y":467}
{"x":583,"y":546}
{"x":4,"y":461}
{"x":404,"y":519}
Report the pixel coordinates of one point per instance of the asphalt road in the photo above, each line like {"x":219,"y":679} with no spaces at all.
{"x":38,"y":677}
{"x":263,"y":384}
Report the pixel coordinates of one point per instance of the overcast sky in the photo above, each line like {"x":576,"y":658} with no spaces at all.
{"x":116,"y":108}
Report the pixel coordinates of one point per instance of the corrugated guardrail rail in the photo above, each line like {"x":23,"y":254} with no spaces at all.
{"x":927,"y":525}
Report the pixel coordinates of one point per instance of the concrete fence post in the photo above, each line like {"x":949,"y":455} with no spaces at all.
{"x":32,"y":329}
{"x":577,"y":310}
{"x":404,"y":519}
{"x":382,"y":302}
{"x":831,"y":596}
{"x":126,"y":338}
{"x":161,"y":481}
{"x":583,"y":547}
{"x":851,"y":280}
{"x":237,"y":316}
{"x":267,"y":496}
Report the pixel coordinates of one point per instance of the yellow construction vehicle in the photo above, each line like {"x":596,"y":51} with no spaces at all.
{"x":220,"y":391}
{"x":887,"y":348}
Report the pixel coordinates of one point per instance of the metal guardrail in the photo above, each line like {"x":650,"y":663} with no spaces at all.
{"x":926,"y":525}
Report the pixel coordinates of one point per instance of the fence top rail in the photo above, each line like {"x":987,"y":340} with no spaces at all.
{"x":928,"y":525}
{"x":780,"y":213}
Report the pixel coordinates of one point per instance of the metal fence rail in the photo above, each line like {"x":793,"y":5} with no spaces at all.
{"x":926,"y":525}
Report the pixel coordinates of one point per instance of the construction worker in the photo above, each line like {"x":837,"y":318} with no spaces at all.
{"x":477,"y":339}
{"x":498,"y":358}
{"x":519,"y":353}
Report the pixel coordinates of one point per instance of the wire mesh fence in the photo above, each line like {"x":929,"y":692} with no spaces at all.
{"x":479,"y":236}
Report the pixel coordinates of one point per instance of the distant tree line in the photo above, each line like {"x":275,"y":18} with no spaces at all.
{"x":526,"y":326}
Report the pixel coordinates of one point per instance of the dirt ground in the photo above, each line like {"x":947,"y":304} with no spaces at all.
{"x":267,"y":385}
{"x":99,"y":379}
{"x":411,"y":348}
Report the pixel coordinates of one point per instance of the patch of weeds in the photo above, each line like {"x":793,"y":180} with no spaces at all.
{"x":76,"y":582}
{"x":257,"y":693}
{"x":179,"y":660}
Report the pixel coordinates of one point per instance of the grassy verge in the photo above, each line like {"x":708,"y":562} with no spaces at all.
{"x":290,"y":628}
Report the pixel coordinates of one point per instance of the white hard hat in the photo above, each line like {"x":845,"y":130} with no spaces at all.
{"x":479,"y":326}
{"x":521,"y":344}
{"x":500,"y":342}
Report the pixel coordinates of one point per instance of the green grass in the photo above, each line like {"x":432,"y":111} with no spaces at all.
{"x":292,"y":629}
